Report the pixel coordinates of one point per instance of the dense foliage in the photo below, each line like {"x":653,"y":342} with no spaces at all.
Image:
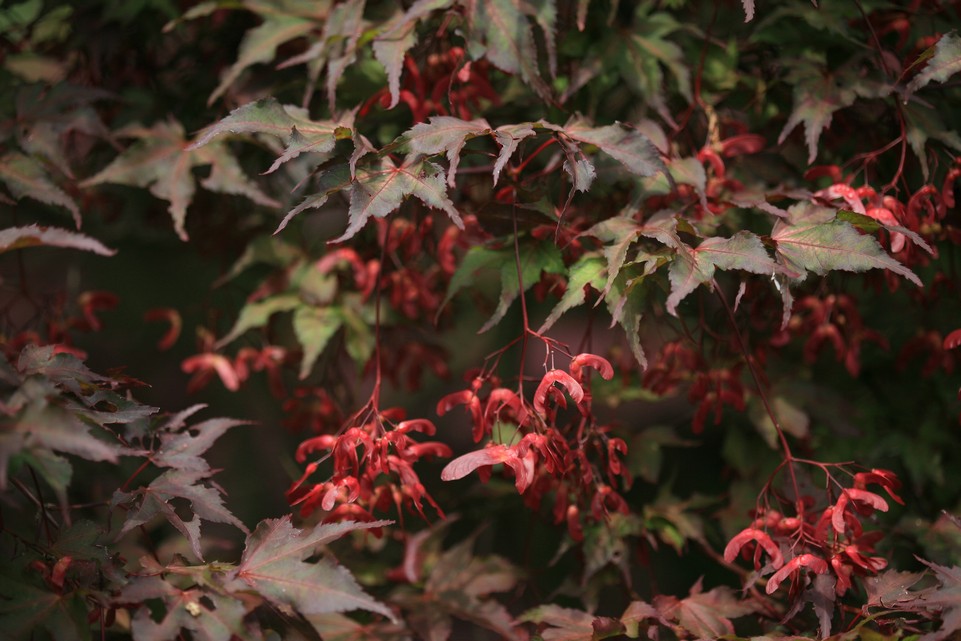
{"x":546,"y":319}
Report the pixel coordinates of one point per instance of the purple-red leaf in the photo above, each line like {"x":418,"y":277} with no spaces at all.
{"x":274,"y":566}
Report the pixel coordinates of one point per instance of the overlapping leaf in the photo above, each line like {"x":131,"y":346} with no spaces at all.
{"x":260,"y":45}
{"x":501,"y":31}
{"x":820,"y":247}
{"x":161,"y":160}
{"x":942,"y":63}
{"x":274,"y":566}
{"x":694,"y":267}
{"x":154,"y":500}
{"x":445,"y":134}
{"x":26,"y":178}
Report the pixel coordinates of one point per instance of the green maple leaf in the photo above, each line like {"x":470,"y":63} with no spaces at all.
{"x":26,"y":178}
{"x":544,"y":257}
{"x":161,"y":160}
{"x":629,"y":147}
{"x":588,"y":271}
{"x":813,"y":240}
{"x":260,"y":44}
{"x":694,"y":267}
{"x":36,"y":236}
{"x":38,"y":426}
{"x":706,"y":615}
{"x":257,"y":313}
{"x":943,"y":61}
{"x":274,"y":566}
{"x":155,"y":500}
{"x":207,"y":615}
{"x":314,"y":327}
{"x":290,"y":124}
{"x":641,"y":54}
{"x":817,"y":95}
{"x":501,"y":31}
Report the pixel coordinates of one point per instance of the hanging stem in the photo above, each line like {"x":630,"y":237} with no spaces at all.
{"x":789,"y":459}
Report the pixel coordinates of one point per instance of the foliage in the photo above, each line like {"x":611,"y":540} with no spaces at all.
{"x":584,"y":319}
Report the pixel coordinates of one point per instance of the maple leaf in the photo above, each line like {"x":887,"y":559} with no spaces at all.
{"x":314,"y":327}
{"x":458,"y":585}
{"x":182,"y":450}
{"x":500,"y":30}
{"x":447,"y":134}
{"x":892,"y":590}
{"x":155,"y":499}
{"x":706,"y":615}
{"x":292,"y":125}
{"x":817,"y":95}
{"x":274,"y":566}
{"x":943,"y":61}
{"x":691,"y":268}
{"x":37,"y":236}
{"x":508,"y":137}
{"x":814,"y":241}
{"x":161,"y":160}
{"x":566,"y":624}
{"x":257,"y":313}
{"x":260,"y":45}
{"x":333,"y":626}
{"x":642,"y":52}
{"x":588,"y":271}
{"x":329,"y":182}
{"x":26,"y":609}
{"x":544,"y":257}
{"x":379,"y":190}
{"x":37,"y":426}
{"x":337,"y":46}
{"x":629,"y":147}
{"x":26,"y":178}
{"x":206,"y":614}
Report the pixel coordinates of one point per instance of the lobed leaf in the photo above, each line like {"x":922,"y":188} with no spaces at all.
{"x":34,"y":236}
{"x":445,"y":134}
{"x":821,"y":247}
{"x":26,"y":178}
{"x":944,"y":62}
{"x":274,"y":566}
{"x":260,"y":45}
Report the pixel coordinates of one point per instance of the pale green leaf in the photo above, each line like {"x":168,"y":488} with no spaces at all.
{"x":631,"y":148}
{"x":476,"y":259}
{"x":695,"y":267}
{"x":314,"y":327}
{"x":257,"y":313}
{"x":508,"y":137}
{"x":290,"y":124}
{"x":588,"y":270}
{"x":545,"y":257}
